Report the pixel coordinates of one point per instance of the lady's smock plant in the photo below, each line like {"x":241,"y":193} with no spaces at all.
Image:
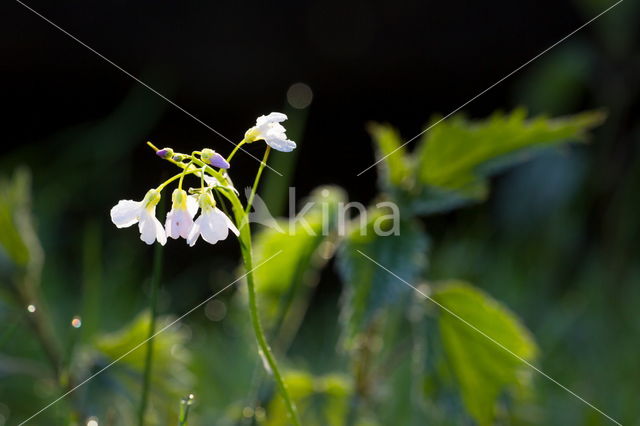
{"x":128,"y":212}
{"x":183,"y":221}
{"x":212,"y":224}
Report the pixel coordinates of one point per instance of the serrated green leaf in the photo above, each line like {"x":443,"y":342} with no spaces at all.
{"x":483,"y":370}
{"x":458,"y":155}
{"x":368,"y":288}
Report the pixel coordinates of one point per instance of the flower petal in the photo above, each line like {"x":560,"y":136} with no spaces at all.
{"x":279,"y":144}
{"x":159,"y":230}
{"x":274,"y":117}
{"x":192,"y":205}
{"x":228,"y":222}
{"x":147,"y":228}
{"x":169,"y":226}
{"x":179,"y":223}
{"x":195,"y":233}
{"x":213,"y":228}
{"x":126,"y":213}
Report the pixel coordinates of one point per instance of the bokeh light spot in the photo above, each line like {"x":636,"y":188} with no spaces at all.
{"x":299,"y":95}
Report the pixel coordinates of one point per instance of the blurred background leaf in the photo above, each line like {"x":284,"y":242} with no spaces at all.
{"x":170,"y":357}
{"x":369,"y":288}
{"x":477,"y":362}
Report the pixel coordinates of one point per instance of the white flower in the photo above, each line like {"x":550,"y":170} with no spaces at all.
{"x":128,"y":212}
{"x":180,"y":218}
{"x":269,"y":129}
{"x":212,"y":223}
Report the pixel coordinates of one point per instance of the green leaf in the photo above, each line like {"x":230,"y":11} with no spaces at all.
{"x":321,"y":400}
{"x":170,"y":377}
{"x":368,"y":288}
{"x":299,"y":241}
{"x":483,"y":370}
{"x":457,"y":155}
{"x":169,"y":353}
{"x":395,"y":169}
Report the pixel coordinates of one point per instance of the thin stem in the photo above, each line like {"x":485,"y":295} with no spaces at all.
{"x":185,"y":404}
{"x":184,"y":172}
{"x":153,"y":302}
{"x":242,"y":142}
{"x":265,"y":350}
{"x":263,"y":346}
{"x":257,"y":179}
{"x":40,"y":323}
{"x":182,"y":165}
{"x":155,"y":148}
{"x":178,"y":176}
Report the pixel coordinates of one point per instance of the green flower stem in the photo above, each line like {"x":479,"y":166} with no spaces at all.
{"x":184,"y":172}
{"x":257,"y":179}
{"x":267,"y":355}
{"x":265,"y":350}
{"x":178,"y":176}
{"x":153,"y":302}
{"x":242,"y":142}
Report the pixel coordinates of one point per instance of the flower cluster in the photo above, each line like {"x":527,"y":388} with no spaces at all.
{"x":212,"y":224}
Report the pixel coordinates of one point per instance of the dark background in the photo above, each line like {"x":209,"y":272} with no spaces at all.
{"x":399,"y":62}
{"x":566,"y":223}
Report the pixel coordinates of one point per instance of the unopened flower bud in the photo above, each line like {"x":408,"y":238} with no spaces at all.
{"x":211,"y":157}
{"x":165,"y":153}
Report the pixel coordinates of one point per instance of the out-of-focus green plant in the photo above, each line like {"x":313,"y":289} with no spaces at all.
{"x":399,"y":357}
{"x":448,"y":169}
{"x":19,"y":246}
{"x":321,"y":400}
{"x":482,"y":368}
{"x":170,"y":357}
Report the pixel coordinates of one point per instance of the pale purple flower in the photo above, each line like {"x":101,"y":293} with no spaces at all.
{"x":128,"y":212}
{"x":269,"y":129}
{"x":180,"y":218}
{"x":212,"y":223}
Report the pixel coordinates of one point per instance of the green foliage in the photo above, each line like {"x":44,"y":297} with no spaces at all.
{"x":396,"y":168}
{"x":321,"y":400}
{"x":18,"y":241}
{"x":456,"y":152}
{"x":170,"y":379}
{"x":167,"y":346}
{"x":278,"y":279}
{"x":389,"y":343}
{"x":483,"y":370}
{"x":450,"y":166}
{"x":369,"y":288}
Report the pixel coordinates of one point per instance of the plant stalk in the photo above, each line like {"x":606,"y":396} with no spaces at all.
{"x":153,"y":303}
{"x":247,"y":257}
{"x":266,"y":354}
{"x":257,"y":179}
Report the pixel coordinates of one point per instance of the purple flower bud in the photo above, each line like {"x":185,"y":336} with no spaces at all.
{"x":164,"y":153}
{"x":218,"y":160}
